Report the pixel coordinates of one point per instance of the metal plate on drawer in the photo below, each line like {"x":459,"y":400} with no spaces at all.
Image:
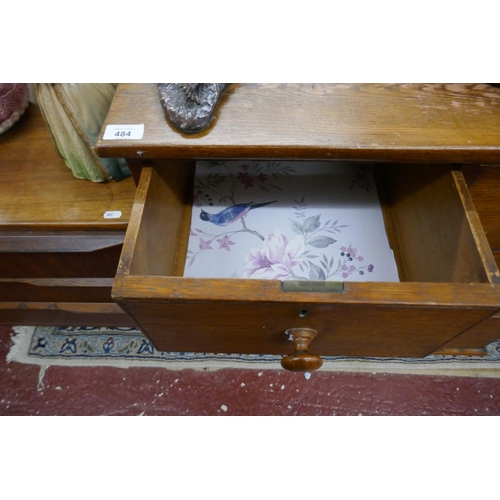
{"x":312,"y":286}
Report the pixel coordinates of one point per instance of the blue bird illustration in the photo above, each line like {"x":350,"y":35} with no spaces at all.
{"x":231,"y":214}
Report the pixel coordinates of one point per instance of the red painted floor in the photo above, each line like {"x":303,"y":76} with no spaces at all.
{"x":153,"y":391}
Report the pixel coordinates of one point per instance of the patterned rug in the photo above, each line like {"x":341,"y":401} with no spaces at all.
{"x":127,"y":347}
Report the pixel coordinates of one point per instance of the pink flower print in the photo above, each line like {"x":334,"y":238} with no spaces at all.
{"x":205,"y":245}
{"x":262,"y":178}
{"x":276,"y":259}
{"x":347,"y":270}
{"x":225,"y":242}
{"x":245,"y":178}
{"x":200,"y":199}
{"x":349,"y":253}
{"x":191,"y":232}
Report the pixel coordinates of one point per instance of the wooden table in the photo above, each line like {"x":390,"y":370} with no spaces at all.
{"x":418,"y":136}
{"x":410,"y":123}
{"x":58,"y":254}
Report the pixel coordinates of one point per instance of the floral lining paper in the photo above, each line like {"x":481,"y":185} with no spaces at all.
{"x":288,"y":220}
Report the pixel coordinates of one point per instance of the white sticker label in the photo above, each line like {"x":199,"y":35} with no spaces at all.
{"x":112,"y":214}
{"x":123,"y":132}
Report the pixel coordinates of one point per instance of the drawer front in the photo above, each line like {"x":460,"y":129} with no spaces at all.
{"x":343,"y":329}
{"x":449,"y":278}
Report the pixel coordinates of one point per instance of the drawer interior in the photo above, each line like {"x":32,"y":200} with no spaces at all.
{"x":429,"y":217}
{"x":434,"y":227}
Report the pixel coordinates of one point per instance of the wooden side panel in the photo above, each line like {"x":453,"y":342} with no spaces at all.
{"x":436,"y":238}
{"x":476,"y":229}
{"x":60,"y":254}
{"x":476,"y":337}
{"x":390,"y":221}
{"x":344,"y":329}
{"x":484,"y":188}
{"x":60,"y":313}
{"x":56,"y":290}
{"x":485,"y":193}
{"x":160,"y":220}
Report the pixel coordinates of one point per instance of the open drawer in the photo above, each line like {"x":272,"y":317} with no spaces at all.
{"x":449,"y":281}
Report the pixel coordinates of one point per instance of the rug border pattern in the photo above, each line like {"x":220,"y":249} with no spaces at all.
{"x":26,"y":339}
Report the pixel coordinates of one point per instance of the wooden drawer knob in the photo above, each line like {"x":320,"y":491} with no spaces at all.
{"x":301,"y":360}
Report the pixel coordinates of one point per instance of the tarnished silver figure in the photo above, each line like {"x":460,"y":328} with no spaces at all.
{"x":190,"y":107}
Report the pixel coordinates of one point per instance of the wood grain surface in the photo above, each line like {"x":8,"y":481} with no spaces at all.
{"x":485,"y":194}
{"x":398,"y":122}
{"x":439,"y":235}
{"x":62,"y":313}
{"x":40,"y":192}
{"x":448,"y":297}
{"x":56,"y":289}
{"x":481,"y":334}
{"x":433,"y":219}
{"x":52,"y":226}
{"x":354,"y":329}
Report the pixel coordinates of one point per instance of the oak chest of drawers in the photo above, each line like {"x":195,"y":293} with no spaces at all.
{"x":416,"y":137}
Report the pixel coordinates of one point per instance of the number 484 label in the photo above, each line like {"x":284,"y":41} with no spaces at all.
{"x":123,"y":132}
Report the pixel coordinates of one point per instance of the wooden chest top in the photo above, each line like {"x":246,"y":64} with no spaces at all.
{"x":396,"y":122}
